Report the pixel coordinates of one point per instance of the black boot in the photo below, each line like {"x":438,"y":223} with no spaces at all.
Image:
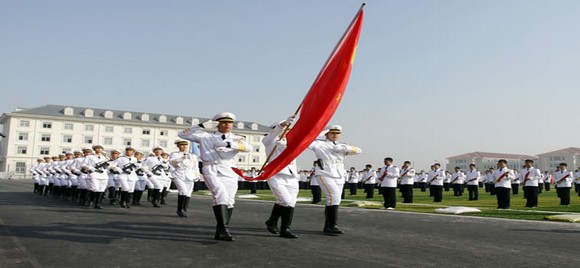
{"x":186,"y":203}
{"x":287,"y":215}
{"x":229,"y":215}
{"x":134,"y":198}
{"x":82,"y":197}
{"x":35,"y":188}
{"x":138,"y":195}
{"x":40,"y":189}
{"x":74,"y":193}
{"x":112,"y":196}
{"x":123,"y":202}
{"x":149,"y":195}
{"x":272,"y":222}
{"x":98,"y":197}
{"x":129,"y":197}
{"x":163,"y":196}
{"x":155,"y":197}
{"x":180,"y":200}
{"x":221,"y":233}
{"x":331,"y":219}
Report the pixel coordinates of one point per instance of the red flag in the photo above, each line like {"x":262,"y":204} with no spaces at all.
{"x":321,"y":102}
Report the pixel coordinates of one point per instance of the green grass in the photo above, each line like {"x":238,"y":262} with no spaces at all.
{"x":548,"y":203}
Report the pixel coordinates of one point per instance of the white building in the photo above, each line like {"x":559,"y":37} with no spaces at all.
{"x":549,"y":161}
{"x":53,"y":129}
{"x":484,"y":160}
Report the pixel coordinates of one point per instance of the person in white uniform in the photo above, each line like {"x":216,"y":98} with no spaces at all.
{"x":388,"y":178}
{"x":36,"y":175}
{"x":407,"y":180}
{"x":472,"y":180}
{"x":184,"y":173}
{"x":502,"y":178}
{"x":126,"y":167}
{"x":217,"y":151}
{"x":331,"y":173}
{"x":96,"y":165}
{"x":435,"y":178}
{"x":531,"y":176}
{"x":563,"y":181}
{"x":284,"y":184}
{"x":458,"y":181}
{"x":352,"y":180}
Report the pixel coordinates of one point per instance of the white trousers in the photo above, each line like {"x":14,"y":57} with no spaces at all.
{"x":126,"y":184}
{"x":36,"y":179}
{"x":140,"y":185}
{"x":223,"y":188}
{"x":184,"y":187}
{"x":97,"y":185}
{"x":332,"y":189}
{"x":156,"y":182}
{"x":74,"y":180}
{"x":284,"y":189}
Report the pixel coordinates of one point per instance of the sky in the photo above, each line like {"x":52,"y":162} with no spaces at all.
{"x":431,"y":78}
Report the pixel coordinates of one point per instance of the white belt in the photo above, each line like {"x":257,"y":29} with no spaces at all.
{"x":217,"y":162}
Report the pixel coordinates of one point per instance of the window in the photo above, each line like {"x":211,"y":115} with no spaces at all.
{"x":22,"y":136}
{"x":241,"y":159}
{"x":255,"y":159}
{"x":145,"y":143}
{"x":68,"y":111}
{"x":88,"y":139}
{"x":163,"y":144}
{"x":146,"y":131}
{"x":163,"y":132}
{"x":20,"y":167}
{"x":162,"y":118}
{"x":127,"y":115}
{"x":127,"y":142}
{"x":89,"y":127}
{"x":44,"y":151}
{"x":179,"y":120}
{"x":68,"y":126}
{"x":24,"y":123}
{"x":108,"y":114}
{"x":128,"y":130}
{"x":47,"y":125}
{"x":66,"y":150}
{"x":45,"y":137}
{"x":109,"y":129}
{"x":108,"y":141}
{"x":67,"y":138}
{"x":144,"y":117}
{"x":89,"y":113}
{"x":21,"y":150}
{"x":257,"y":149}
{"x":257,"y":139}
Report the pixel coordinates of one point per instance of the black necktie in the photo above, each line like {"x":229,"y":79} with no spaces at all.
{"x":223,"y":136}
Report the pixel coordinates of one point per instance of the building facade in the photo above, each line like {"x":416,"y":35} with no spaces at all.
{"x":549,"y":161}
{"x":53,"y":129}
{"x":485,"y":160}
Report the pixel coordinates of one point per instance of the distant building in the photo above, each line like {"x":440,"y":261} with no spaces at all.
{"x":549,"y":161}
{"x":53,"y":129}
{"x":484,"y":160}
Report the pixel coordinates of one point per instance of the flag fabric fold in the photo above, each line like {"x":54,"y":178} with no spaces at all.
{"x":321,"y":102}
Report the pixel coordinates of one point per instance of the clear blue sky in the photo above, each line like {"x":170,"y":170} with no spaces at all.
{"x":431,"y":78}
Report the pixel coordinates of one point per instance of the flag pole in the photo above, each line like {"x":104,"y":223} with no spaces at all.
{"x":318,"y":76}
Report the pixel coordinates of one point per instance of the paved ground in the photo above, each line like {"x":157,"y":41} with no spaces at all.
{"x":37,"y":231}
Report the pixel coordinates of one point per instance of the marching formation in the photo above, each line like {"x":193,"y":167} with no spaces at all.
{"x":85,"y":176}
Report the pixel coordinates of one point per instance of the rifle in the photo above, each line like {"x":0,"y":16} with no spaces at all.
{"x":155,"y":170}
{"x":127,"y":168}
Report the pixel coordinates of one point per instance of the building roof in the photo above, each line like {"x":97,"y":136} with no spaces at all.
{"x":118,"y":116}
{"x":493,"y":155}
{"x":565,"y":151}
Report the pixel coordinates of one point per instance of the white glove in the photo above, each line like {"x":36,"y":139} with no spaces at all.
{"x":209,"y":124}
{"x":290,"y":119}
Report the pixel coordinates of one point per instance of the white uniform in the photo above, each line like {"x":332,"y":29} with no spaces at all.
{"x":331,"y":175}
{"x":502,"y":177}
{"x":284,"y":184}
{"x":369,"y":177}
{"x":35,"y":174}
{"x":155,"y":171}
{"x":389,"y":176}
{"x":531,"y":176}
{"x":125,"y":167}
{"x":458,"y":177}
{"x":141,"y":172}
{"x":98,"y":175}
{"x":185,"y":171}
{"x":218,"y":160}
{"x":563,"y":179}
{"x":407,"y":176}
{"x":472,"y":177}
{"x":353,"y":177}
{"x":436,"y":177}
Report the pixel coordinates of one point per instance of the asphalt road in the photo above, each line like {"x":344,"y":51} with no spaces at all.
{"x":38,"y":231}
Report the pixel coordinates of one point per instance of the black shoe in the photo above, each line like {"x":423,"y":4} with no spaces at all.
{"x":331,"y":219}
{"x":272,"y":222}
{"x":155,"y":198}
{"x":221,"y":233}
{"x":287,"y":215}
{"x":180,"y":200}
